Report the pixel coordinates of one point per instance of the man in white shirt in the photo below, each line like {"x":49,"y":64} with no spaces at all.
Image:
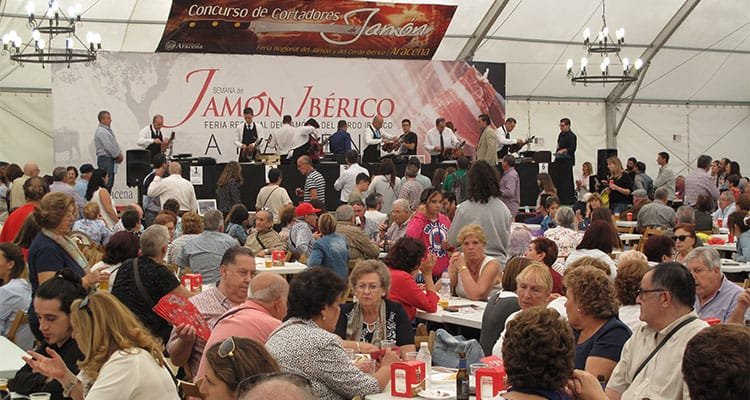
{"x":374,"y":202}
{"x":247,"y":135}
{"x":503,"y":137}
{"x":726,"y":207}
{"x":666,"y":296}
{"x":438,"y":139}
{"x":174,"y":187}
{"x":373,"y":136}
{"x":348,"y":179}
{"x":290,"y":138}
{"x":151,"y":139}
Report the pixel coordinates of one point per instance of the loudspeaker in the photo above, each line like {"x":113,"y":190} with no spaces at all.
{"x":601,"y":162}
{"x":543,"y":156}
{"x":137,"y":165}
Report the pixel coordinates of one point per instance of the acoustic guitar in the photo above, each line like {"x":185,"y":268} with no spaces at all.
{"x":515,"y":147}
{"x":453,"y":153}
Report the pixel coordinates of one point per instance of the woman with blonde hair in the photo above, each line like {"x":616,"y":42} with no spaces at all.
{"x":473,"y":273}
{"x":121,"y":359}
{"x":331,"y":250}
{"x":620,"y":186}
{"x":587,"y":182}
{"x":228,"y":187}
{"x":192,"y":226}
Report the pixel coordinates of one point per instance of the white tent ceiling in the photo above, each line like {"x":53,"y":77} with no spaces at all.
{"x":706,"y":59}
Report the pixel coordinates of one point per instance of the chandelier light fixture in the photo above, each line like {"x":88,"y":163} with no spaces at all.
{"x":45,"y":29}
{"x":613,"y":68}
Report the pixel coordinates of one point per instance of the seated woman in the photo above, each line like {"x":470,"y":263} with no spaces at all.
{"x":538,"y":355}
{"x":331,"y":250}
{"x":406,"y":259}
{"x":739,"y":227}
{"x":596,"y":243}
{"x":473,"y":273}
{"x":501,"y":305}
{"x":628,"y":281}
{"x":235,"y":223}
{"x":593,"y":201}
{"x":565,"y":233}
{"x":92,"y":225}
{"x":604,"y":214}
{"x":304,"y":344}
{"x":192,"y":226}
{"x":230,"y":362}
{"x":544,"y":251}
{"x":684,"y":241}
{"x":121,"y":359}
{"x":373,"y":318}
{"x":52,"y":304}
{"x":122,"y":246}
{"x":592,"y":312}
{"x":15,"y":293}
{"x":659,"y":248}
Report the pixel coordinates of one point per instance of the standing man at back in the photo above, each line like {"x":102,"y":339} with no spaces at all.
{"x":666,"y":177}
{"x":487,"y":146}
{"x":566,"y":142}
{"x":651,"y":360}
{"x":108,"y":151}
{"x":315,"y":184}
{"x":510,"y":186}
{"x":347,"y":181}
{"x":247,"y":135}
{"x":700,"y":181}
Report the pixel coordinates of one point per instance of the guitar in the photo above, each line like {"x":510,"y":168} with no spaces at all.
{"x":169,"y":146}
{"x":391,"y":146}
{"x":255,"y":152}
{"x":316,"y":147}
{"x":453,"y":153}
{"x":513,"y":148}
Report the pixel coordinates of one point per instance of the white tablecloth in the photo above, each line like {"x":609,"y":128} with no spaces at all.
{"x":10,"y":358}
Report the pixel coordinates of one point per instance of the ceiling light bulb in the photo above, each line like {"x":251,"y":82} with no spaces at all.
{"x":35,"y":34}
{"x":6,"y":39}
{"x":625,"y":64}
{"x":30,"y":8}
{"x":97,"y":38}
{"x":584,"y":62}
{"x":606,"y":61}
{"x":638,"y":63}
{"x":600,"y":37}
{"x":40,"y":44}
{"x":68,"y":43}
{"x":605,"y":31}
{"x":89,"y":37}
{"x":620,"y":33}
{"x":603,"y":67}
{"x":586,"y":34}
{"x":569,"y":64}
{"x":53,"y":7}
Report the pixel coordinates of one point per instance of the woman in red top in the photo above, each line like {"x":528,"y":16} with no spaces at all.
{"x":405,"y":260}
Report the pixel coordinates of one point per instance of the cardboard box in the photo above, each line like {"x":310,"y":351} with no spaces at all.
{"x":193,"y":282}
{"x":407,"y":378}
{"x":490,"y":380}
{"x":279,"y":257}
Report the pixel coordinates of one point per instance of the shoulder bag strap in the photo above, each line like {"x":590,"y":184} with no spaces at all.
{"x":267,"y":198}
{"x":139,"y":285}
{"x":661,"y":344}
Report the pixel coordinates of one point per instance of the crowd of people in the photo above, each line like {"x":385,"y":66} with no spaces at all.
{"x":570,"y":310}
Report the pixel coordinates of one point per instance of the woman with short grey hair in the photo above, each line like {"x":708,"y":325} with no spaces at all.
{"x":564,"y":234}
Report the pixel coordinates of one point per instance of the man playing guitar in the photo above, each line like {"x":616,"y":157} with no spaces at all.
{"x":438,"y":140}
{"x":246,"y":140}
{"x":151,"y":139}
{"x":503,"y":138}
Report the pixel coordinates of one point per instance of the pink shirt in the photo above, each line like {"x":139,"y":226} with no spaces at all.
{"x":250,"y":320}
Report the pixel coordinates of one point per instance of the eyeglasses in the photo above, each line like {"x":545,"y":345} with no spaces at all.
{"x":248,"y":384}
{"x":681,"y":238}
{"x":226,"y":350}
{"x":641,"y":291}
{"x":364,"y":287}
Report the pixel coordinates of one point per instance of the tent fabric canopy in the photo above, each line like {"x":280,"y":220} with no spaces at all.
{"x":534,"y":38}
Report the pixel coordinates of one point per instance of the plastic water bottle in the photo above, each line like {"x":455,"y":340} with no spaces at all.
{"x":424,"y":355}
{"x":445,"y":289}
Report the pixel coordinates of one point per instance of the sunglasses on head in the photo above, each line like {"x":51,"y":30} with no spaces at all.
{"x":253,"y":381}
{"x":84,"y":305}
{"x":226,"y":350}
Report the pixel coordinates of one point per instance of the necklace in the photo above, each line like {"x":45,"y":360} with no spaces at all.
{"x":371,"y":327}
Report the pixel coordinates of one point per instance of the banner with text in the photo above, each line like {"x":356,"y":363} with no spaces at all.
{"x":323,"y":28}
{"x":202,"y":97}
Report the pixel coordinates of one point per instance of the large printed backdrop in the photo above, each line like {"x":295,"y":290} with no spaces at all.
{"x":202,"y":97}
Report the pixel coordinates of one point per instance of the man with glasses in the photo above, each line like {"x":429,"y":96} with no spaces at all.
{"x":650,"y":364}
{"x":715,"y":295}
{"x":256,"y":318}
{"x":237,"y":269}
{"x":566,"y":142}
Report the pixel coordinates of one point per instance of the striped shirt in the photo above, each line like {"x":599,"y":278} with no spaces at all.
{"x":315,"y":181}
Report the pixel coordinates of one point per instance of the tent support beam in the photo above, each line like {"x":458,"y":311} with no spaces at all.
{"x":480,"y":32}
{"x":669,"y":102}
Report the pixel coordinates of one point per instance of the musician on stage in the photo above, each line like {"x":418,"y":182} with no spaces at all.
{"x":292,"y":141}
{"x":247,"y":136}
{"x":151,"y":139}
{"x":503,"y":137}
{"x":438,"y":139}
{"x":374,"y":136}
{"x":341,"y":141}
{"x":408,"y":140}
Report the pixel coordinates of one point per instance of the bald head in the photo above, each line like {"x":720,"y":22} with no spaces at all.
{"x":31,"y":169}
{"x":175,"y":168}
{"x":270,"y":291}
{"x":278,"y":388}
{"x":377,"y":122}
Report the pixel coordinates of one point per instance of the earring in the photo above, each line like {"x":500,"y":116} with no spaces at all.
{"x":324,"y":317}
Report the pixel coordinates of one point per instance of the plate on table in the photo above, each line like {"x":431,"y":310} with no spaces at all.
{"x":436,"y":394}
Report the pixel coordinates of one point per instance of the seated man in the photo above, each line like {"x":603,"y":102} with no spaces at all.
{"x":400,"y":214}
{"x":657,"y":213}
{"x":725,"y":209}
{"x":715,"y":295}
{"x":237,"y":269}
{"x":358,"y":193}
{"x":360,"y":246}
{"x":369,"y":226}
{"x":374,"y":203}
{"x":263,"y":239}
{"x":640,"y":200}
{"x":256,"y":318}
{"x":721,"y":350}
{"x":204,"y":252}
{"x":130,"y":220}
{"x":666,"y":296}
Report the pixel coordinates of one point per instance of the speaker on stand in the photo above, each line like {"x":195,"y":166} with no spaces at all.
{"x":137,"y":166}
